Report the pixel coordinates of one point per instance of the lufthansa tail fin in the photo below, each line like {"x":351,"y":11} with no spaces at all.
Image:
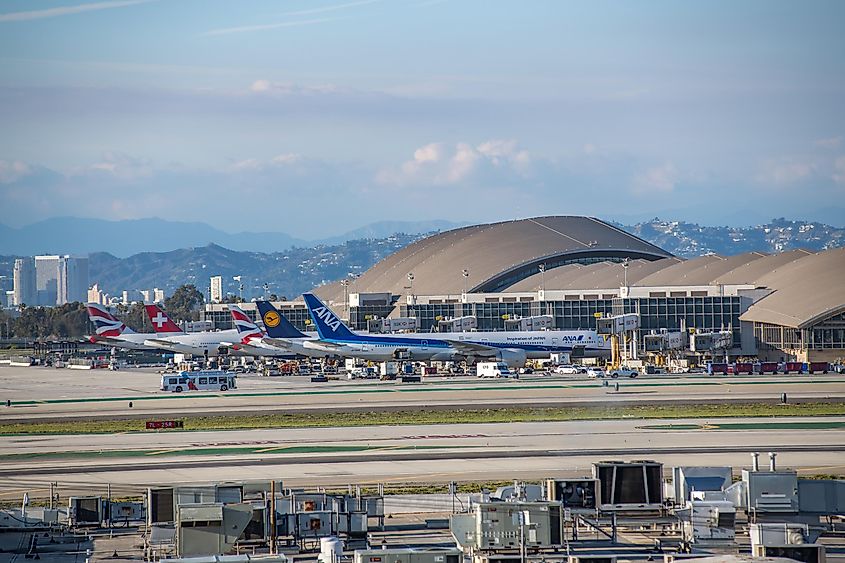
{"x":246,"y":328}
{"x":277,"y":325}
{"x":161,"y":322}
{"x":105,"y":323}
{"x":329,"y":326}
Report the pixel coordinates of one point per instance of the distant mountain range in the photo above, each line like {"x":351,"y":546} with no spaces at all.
{"x":73,"y":235}
{"x":306,"y":265}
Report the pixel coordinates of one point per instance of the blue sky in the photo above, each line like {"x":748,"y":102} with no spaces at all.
{"x":331,"y":114}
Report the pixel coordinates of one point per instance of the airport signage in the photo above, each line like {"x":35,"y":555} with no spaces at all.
{"x":164,"y":424}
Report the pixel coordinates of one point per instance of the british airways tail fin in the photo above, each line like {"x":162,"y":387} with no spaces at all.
{"x":246,"y":328}
{"x":277,"y":325}
{"x":161,"y":322}
{"x":105,"y":323}
{"x":329,"y":326}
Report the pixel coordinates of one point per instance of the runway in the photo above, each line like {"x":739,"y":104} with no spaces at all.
{"x":423,"y":453}
{"x":47,"y":394}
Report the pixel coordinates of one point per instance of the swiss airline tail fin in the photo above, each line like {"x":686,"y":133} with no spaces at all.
{"x":161,"y":322}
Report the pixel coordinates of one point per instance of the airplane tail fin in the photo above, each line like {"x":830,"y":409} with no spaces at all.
{"x":246,"y":328}
{"x":106,"y":324}
{"x":277,"y":325}
{"x":161,"y":322}
{"x":329,"y":326}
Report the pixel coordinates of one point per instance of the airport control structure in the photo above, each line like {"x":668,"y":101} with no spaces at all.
{"x":570,"y":272}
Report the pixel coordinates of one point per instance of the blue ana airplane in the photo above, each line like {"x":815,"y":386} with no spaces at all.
{"x":512,"y":347}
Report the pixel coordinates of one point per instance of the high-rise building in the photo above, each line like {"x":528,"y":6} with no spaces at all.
{"x":216,"y":289}
{"x":47,"y":280}
{"x":72,"y":279}
{"x":96,"y":296}
{"x":158,"y":295}
{"x":24,"y":280}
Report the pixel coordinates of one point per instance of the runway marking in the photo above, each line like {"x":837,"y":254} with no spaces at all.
{"x":761,"y":425}
{"x":229,"y":451}
{"x":432,"y":387}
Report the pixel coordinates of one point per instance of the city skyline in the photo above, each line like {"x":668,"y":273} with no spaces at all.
{"x":705,"y":112}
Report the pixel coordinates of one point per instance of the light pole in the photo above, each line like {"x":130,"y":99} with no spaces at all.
{"x":465,"y":273}
{"x":625,"y":265}
{"x":411,"y":282}
{"x":240,"y":286}
{"x":345,"y":283}
{"x":542,"y":268}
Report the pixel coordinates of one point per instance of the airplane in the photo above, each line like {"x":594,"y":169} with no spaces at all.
{"x":282,"y":334}
{"x":113,"y":332}
{"x":512,"y":347}
{"x":209,"y":343}
{"x":252,"y":342}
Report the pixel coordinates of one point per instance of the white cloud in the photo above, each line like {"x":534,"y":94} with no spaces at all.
{"x":786,"y":170}
{"x":121,"y":165}
{"x":829,"y":143}
{"x":265,"y":27}
{"x":435,"y":164}
{"x":67,"y":10}
{"x":288,"y":158}
{"x":658,"y":179}
{"x":432,"y":152}
{"x":287,"y":88}
{"x":13,"y":170}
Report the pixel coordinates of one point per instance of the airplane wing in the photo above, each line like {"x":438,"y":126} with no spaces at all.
{"x":277,"y":342}
{"x":472,"y":348}
{"x":158,"y":343}
{"x":106,"y":340}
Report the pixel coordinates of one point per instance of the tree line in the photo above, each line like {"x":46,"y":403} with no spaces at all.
{"x":71,"y":319}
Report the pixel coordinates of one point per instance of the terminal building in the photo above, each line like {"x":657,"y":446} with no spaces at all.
{"x":571,"y":270}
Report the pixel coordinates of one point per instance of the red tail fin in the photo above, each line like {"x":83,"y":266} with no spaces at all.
{"x":161,"y":322}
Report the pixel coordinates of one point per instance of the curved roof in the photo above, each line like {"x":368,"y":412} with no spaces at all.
{"x":806,"y":291}
{"x":677,"y":273}
{"x":603,"y":275}
{"x":497,"y":255}
{"x":752,"y":271}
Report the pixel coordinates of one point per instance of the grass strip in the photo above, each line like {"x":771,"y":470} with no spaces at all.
{"x":457,"y":416}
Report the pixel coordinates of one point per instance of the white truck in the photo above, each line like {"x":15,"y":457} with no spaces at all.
{"x":623,"y":372}
{"x":494,"y":369}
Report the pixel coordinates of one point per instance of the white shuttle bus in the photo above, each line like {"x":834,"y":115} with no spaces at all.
{"x":208,"y":380}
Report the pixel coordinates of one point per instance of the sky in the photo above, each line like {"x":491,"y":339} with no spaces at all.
{"x":314,"y":117}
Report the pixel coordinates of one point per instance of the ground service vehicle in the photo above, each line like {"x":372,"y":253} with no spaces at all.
{"x":624,"y":372}
{"x":713,"y":368}
{"x":743,"y":367}
{"x":493,"y":369}
{"x":767,"y":367}
{"x":567,"y":370}
{"x":210,"y":380}
{"x":793,"y":367}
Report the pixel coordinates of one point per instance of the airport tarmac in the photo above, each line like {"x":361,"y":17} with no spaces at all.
{"x":408,"y":454}
{"x":38,"y":393}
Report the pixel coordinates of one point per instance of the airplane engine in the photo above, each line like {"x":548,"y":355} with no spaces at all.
{"x":513,"y":357}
